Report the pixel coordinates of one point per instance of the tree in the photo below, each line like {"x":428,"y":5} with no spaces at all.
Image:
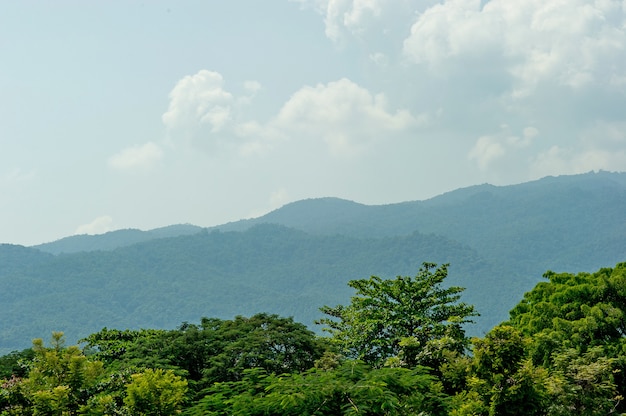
{"x":581,"y":316}
{"x":60,"y":381}
{"x":353,"y":388}
{"x":583,"y":384}
{"x":216,"y":350}
{"x":155,"y":393}
{"x":502,"y":381}
{"x":278,"y":345}
{"x":574,"y":311}
{"x":386,"y":312}
{"x":16,"y":363}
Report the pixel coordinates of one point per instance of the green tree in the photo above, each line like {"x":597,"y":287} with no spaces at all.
{"x":155,"y":393}
{"x":385,"y":312}
{"x":574,"y":311}
{"x":278,"y":345}
{"x":353,"y":388}
{"x":579,"y":316}
{"x":502,"y":380}
{"x":16,"y":363}
{"x":144,"y":348}
{"x":583,"y":384}
{"x":216,"y":350}
{"x":60,"y":381}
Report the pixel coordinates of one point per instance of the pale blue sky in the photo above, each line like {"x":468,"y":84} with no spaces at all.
{"x":126,"y":114}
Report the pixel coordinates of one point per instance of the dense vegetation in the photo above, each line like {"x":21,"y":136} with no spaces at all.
{"x":499,"y":240}
{"x":160,"y":283}
{"x":398,"y":348}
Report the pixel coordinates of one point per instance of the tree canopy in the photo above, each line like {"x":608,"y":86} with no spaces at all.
{"x":398,"y":348}
{"x":383,"y":313}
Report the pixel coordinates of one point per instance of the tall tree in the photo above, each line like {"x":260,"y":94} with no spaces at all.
{"x":60,"y":381}
{"x":155,"y":393}
{"x":353,"y":388}
{"x":387,"y":314}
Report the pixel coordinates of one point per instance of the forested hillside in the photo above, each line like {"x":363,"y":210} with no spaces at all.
{"x":114,"y":239}
{"x":166,"y":281}
{"x":398,"y":347}
{"x":498,"y":240}
{"x":562,"y":223}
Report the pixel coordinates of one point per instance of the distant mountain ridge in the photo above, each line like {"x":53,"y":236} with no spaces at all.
{"x":498,"y":240}
{"x":488,"y":218}
{"x":114,"y":239}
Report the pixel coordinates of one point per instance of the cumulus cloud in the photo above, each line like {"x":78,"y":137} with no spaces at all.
{"x":141,"y":157}
{"x":342,"y":115}
{"x":490,"y":148}
{"x":573,"y":44}
{"x":199,"y":102}
{"x":486,"y":149}
{"x":351,"y":15}
{"x":345,"y":115}
{"x":99,"y":225}
{"x":203,"y":113}
{"x":364,"y":19}
{"x":600,"y":147}
{"x":379,"y":59}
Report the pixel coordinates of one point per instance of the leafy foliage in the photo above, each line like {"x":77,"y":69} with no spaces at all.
{"x":155,"y":393}
{"x":574,"y":311}
{"x":561,"y":353}
{"x":385,"y":312}
{"x":214,"y":351}
{"x":351,"y":389}
{"x":500,"y":240}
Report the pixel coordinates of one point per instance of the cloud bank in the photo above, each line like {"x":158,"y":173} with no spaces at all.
{"x":344,"y":116}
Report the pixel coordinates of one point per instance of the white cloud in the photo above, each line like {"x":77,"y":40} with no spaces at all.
{"x":363,"y":18}
{"x":601,"y":147}
{"x":203,"y":113}
{"x":352,"y":15}
{"x":490,"y":148}
{"x":345,"y":115}
{"x":573,"y":43}
{"x":486,"y":150}
{"x":199,"y":100}
{"x":342,"y":115}
{"x":100,"y":225}
{"x":379,"y":59}
{"x":141,"y":157}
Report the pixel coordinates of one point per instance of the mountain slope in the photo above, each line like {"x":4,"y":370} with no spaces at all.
{"x":114,"y":239}
{"x":163,"y":282}
{"x":575,"y":223}
{"x":499,"y":241}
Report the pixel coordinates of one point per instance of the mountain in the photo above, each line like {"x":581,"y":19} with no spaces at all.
{"x":569,"y":223}
{"x":498,"y":240}
{"x":114,"y":239}
{"x":163,"y":282}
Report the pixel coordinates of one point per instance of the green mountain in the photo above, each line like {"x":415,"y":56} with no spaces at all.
{"x":568,"y":223}
{"x":498,"y":240}
{"x":163,"y":282}
{"x":114,"y":239}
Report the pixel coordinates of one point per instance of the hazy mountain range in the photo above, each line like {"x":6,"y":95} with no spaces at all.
{"x":498,"y":241}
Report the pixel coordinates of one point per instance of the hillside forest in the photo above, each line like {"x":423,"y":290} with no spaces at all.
{"x":498,"y":240}
{"x":398,"y":347}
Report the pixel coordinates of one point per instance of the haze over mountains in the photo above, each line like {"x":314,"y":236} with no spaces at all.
{"x":498,"y":241}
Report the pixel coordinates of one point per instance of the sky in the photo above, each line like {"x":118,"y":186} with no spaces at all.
{"x":141,"y":114}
